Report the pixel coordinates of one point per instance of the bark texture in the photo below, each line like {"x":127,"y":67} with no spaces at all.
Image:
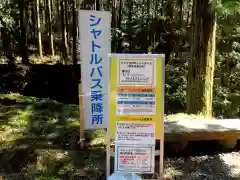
{"x":201,"y":63}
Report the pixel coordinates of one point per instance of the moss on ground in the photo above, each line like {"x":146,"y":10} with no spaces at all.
{"x":39,"y":140}
{"x":39,"y":137}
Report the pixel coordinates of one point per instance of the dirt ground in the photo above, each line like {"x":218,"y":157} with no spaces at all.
{"x":224,"y":166}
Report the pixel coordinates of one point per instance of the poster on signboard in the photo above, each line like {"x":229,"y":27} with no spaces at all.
{"x":136,"y":71}
{"x":134,"y":159}
{"x":131,"y":133}
{"x":132,"y":75}
{"x":137,"y":90}
{"x":136,"y":101}
{"x":95,"y":44}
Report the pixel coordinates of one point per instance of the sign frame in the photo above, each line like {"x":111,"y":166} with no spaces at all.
{"x":159,"y":117}
{"x":160,"y":58}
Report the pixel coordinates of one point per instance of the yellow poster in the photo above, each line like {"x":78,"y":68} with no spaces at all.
{"x":136,"y":90}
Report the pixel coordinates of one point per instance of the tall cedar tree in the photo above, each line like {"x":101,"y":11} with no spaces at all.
{"x":201,"y":63}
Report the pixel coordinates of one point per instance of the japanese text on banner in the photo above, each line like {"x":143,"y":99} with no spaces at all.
{"x":95,"y":45}
{"x":96,"y":72}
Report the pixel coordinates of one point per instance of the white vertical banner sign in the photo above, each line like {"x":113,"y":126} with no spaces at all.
{"x":95,"y":44}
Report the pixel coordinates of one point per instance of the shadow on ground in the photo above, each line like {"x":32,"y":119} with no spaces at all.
{"x":202,"y":160}
{"x":39,"y":140}
{"x":203,"y":168}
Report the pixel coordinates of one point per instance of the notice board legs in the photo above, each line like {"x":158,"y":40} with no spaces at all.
{"x":108,"y":155}
{"x":161,"y":160}
{"x":81,"y":115}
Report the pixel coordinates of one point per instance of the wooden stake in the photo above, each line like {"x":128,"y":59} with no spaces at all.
{"x":161,"y":159}
{"x":81,"y":115}
{"x":108,"y":154}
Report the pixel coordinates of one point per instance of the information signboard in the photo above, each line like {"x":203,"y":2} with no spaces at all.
{"x":135,"y":133}
{"x":135,"y":159}
{"x":136,"y":106}
{"x":136,"y":90}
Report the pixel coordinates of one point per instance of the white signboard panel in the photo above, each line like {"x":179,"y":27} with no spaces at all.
{"x":136,"y":93}
{"x":134,"y":159}
{"x":137,"y":71}
{"x":95,"y":44}
{"x":140,"y":133}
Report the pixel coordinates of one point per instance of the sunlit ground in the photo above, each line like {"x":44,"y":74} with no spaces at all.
{"x":39,"y":140}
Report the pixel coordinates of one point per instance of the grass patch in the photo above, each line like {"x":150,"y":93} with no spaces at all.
{"x":39,"y":140}
{"x":29,"y":117}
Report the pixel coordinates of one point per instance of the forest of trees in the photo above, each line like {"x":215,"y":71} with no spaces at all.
{"x":200,"y":40}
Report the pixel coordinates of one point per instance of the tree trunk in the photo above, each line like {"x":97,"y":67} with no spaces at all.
{"x":58,"y":11}
{"x":114,"y":25}
{"x":147,"y":24}
{"x":97,"y":5}
{"x":170,"y":15}
{"x":23,"y":26}
{"x":129,"y":24}
{"x":66,"y":20}
{"x":45,"y":15}
{"x":64,"y":35}
{"x":109,"y":5}
{"x":201,"y":64}
{"x":33,"y":19}
{"x":155,"y":17}
{"x":180,"y":14}
{"x":7,"y":45}
{"x":84,"y":4}
{"x":188,"y":21}
{"x":39,"y":31}
{"x":51,"y":5}
{"x":162,"y":7}
{"x":142,"y":26}
{"x":50,"y":27}
{"x":74,"y":19}
{"x":119,"y":25}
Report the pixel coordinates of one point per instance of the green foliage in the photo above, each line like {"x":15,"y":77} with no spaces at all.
{"x":175,"y":87}
{"x":226,"y":102}
{"x":5,"y":14}
{"x":42,"y":136}
{"x":30,"y":117}
{"x":9,"y":15}
{"x":148,"y":26}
